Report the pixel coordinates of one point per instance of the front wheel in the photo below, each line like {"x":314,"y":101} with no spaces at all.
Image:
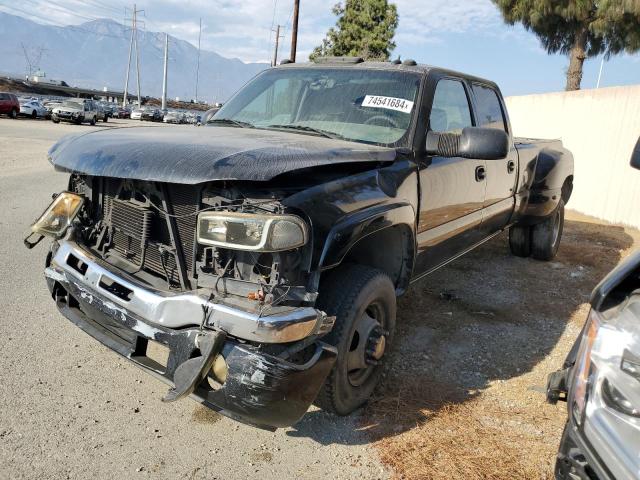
{"x":14,"y":113}
{"x":363,"y":301}
{"x":105,"y":119}
{"x":545,"y":236}
{"x":93,"y":121}
{"x":34,"y":114}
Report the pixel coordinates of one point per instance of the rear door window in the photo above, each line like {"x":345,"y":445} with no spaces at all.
{"x":490,"y":114}
{"x":450,"y":111}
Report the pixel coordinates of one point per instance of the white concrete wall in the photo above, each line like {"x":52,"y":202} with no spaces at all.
{"x":600,"y":127}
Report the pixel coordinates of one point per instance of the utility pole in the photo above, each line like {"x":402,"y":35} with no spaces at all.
{"x":275,"y":53}
{"x":126,"y":81}
{"x":133,"y":44}
{"x":294,"y":30}
{"x":33,"y":62}
{"x":164,"y":78}
{"x":198,"y":62}
{"x":135,"y":29}
{"x":600,"y":74}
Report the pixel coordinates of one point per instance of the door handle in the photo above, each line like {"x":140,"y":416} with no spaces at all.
{"x":481,"y":174}
{"x":511,"y":166}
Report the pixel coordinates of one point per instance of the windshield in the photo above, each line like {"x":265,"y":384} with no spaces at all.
{"x":70,"y":104}
{"x":371,"y":106}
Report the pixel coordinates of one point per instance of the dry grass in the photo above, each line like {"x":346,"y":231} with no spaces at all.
{"x":445,"y":439}
{"x":463,"y":396}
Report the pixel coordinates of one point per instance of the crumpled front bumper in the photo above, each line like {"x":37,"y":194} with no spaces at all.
{"x":260,"y":389}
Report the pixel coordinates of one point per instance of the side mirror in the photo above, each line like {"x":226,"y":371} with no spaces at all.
{"x":474,"y":142}
{"x":635,"y":156}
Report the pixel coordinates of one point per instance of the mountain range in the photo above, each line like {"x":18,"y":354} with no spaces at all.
{"x":94,"y":55}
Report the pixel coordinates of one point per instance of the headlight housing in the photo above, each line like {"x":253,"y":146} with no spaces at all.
{"x":584,"y":368}
{"x":58,"y":216}
{"x":251,"y":232}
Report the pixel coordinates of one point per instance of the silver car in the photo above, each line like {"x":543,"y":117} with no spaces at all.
{"x":601,"y":382}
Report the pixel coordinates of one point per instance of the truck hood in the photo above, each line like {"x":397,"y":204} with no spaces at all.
{"x":191,"y":155}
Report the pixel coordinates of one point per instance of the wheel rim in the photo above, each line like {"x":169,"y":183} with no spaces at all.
{"x":556,"y":226}
{"x":367,"y":345}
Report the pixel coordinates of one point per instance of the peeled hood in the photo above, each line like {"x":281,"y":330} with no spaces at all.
{"x":192,"y":155}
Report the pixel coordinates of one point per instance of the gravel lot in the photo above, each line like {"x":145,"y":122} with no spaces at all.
{"x":462,"y":396}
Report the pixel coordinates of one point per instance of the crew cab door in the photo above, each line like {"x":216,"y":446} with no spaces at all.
{"x":502,"y":174}
{"x":452,"y":188}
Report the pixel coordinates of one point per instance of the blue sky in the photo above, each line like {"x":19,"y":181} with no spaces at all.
{"x":466,"y":35}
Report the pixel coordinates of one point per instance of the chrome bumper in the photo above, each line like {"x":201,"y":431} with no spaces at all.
{"x":72,"y":264}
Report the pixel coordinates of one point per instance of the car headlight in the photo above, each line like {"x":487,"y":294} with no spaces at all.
{"x":252,"y":232}
{"x":58,"y":216}
{"x":615,"y":399}
{"x":584,"y":368}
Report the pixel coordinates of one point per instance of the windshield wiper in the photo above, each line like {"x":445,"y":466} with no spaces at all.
{"x":228,"y":121}
{"x":304,"y":128}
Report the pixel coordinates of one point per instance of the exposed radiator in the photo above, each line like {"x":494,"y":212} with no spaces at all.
{"x":141,"y":232}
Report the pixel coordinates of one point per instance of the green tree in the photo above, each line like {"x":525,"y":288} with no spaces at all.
{"x":365,"y":28}
{"x":578,"y":28}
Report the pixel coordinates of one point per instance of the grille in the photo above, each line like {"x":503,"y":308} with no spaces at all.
{"x":141,"y":233}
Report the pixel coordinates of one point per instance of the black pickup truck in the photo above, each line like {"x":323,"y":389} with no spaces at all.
{"x":254,"y":263}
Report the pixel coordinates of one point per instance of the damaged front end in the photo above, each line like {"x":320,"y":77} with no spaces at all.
{"x":215,"y":275}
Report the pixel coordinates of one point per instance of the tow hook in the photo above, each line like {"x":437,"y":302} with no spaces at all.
{"x":190,"y":373}
{"x":557,"y":387}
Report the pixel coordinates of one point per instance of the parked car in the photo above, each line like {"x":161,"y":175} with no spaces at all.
{"x":9,"y":104}
{"x":136,"y":114}
{"x":151,"y":114}
{"x":50,"y":106}
{"x":208,"y":115}
{"x":265,"y":251}
{"x":600,"y":381}
{"x":101,"y":113}
{"x":173,"y":116}
{"x":122,"y":113}
{"x":33,"y":109}
{"x":77,"y":111}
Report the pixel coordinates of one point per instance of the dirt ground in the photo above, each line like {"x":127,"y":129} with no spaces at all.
{"x":464,"y":394}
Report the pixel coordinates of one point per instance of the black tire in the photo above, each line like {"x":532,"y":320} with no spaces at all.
{"x":363,"y":300}
{"x":93,"y":121}
{"x":520,"y":240}
{"x":34,"y":114}
{"x":14,"y":113}
{"x":545,"y":236}
{"x":55,"y":120}
{"x":105,"y":119}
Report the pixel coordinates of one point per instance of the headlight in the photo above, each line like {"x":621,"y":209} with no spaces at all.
{"x":615,"y":399}
{"x":244,"y":231}
{"x":584,"y":368}
{"x":58,"y":216}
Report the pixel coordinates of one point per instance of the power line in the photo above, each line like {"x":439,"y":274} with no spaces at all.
{"x":97,"y":4}
{"x":48,"y":22}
